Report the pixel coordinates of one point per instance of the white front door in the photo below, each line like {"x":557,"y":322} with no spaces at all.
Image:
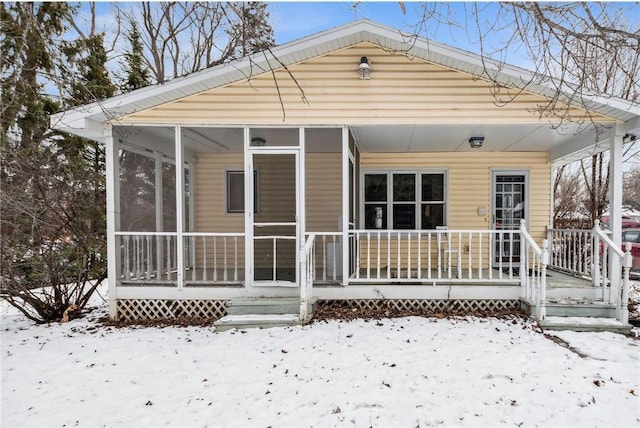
{"x":275,"y":225}
{"x":509,"y":207}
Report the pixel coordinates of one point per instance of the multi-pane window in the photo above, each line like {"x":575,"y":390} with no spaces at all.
{"x":404,"y":200}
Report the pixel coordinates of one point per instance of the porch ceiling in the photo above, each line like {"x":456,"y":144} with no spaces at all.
{"x":564,"y":144}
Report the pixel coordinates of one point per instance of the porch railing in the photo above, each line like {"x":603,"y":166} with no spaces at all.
{"x":533,"y":271}
{"x":434,"y":256}
{"x":152,"y":258}
{"x":307,"y":269}
{"x":148,"y":256}
{"x":571,"y":250}
{"x":214,"y":258}
{"x":614,"y":290}
{"x":327,"y":257}
{"x":588,"y":253}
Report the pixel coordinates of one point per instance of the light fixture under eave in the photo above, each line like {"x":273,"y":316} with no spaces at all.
{"x":476,"y":142}
{"x":258,"y":142}
{"x":364,"y":69}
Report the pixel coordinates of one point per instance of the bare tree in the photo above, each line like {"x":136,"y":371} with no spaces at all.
{"x":578,"y":49}
{"x":568,"y":193}
{"x":631,"y":188}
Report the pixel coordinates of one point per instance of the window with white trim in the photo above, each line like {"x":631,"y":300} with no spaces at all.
{"x":235,"y":192}
{"x":404,"y":199}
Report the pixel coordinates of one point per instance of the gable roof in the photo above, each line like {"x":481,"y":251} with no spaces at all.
{"x":87,"y":120}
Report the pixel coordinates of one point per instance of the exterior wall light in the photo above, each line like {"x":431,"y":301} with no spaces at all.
{"x":258,"y":142}
{"x":476,"y":142}
{"x":364,"y":69}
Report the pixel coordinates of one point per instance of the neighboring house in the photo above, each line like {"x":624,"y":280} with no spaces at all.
{"x":396,"y":178}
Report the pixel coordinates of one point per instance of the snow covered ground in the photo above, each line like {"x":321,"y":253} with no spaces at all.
{"x":395,"y":372}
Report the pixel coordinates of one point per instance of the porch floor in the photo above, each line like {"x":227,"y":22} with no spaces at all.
{"x":555,"y":279}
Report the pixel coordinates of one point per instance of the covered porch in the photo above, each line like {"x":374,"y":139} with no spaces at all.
{"x":348,"y":213}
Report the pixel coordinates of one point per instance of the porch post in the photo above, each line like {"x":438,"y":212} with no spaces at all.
{"x":179,"y":207}
{"x":615,"y":208}
{"x":112,"y":161}
{"x":302,"y":226}
{"x":192,"y":213}
{"x":192,"y":196}
{"x":301,"y":259}
{"x":345,"y":205}
{"x":159,"y":202}
{"x":248,"y":209}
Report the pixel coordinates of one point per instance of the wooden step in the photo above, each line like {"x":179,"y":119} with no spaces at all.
{"x":229,"y":322}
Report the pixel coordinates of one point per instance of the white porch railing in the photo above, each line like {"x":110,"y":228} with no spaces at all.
{"x":307,"y":269}
{"x":208,"y":259}
{"x":571,"y":250}
{"x":533,"y":271}
{"x":589,"y":253}
{"x":214,"y":258}
{"x":434,"y":256}
{"x":148,"y":256}
{"x":327,"y":257}
{"x":615,"y":290}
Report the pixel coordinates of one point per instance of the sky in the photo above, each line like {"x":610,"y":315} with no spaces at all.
{"x":294,"y":19}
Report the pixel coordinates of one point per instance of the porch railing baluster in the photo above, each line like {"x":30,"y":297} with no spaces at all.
{"x":429,"y":255}
{"x":398,"y":255}
{"x":324,"y":257}
{"x":419,"y":255}
{"x":368,"y":255}
{"x":388,"y":254}
{"x":469,"y":243}
{"x":480,"y":261}
{"x":235,"y":258}
{"x":148,"y":245}
{"x":168,"y":261}
{"x":357,"y":244}
{"x":409,"y":255}
{"x":378,"y":256}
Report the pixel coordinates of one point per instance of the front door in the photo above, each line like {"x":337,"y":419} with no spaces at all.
{"x":509,"y":207}
{"x":275,"y":228}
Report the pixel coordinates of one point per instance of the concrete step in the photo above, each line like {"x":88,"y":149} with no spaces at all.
{"x":266,"y":306}
{"x":256,"y":321}
{"x":585,"y":324}
{"x":586,"y":308}
{"x":579,"y":308}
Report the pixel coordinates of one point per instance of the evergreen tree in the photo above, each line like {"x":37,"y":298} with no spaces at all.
{"x":137,"y":73}
{"x":137,"y":172}
{"x":52,"y":230}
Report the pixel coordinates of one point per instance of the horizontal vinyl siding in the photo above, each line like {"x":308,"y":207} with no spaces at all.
{"x":211,"y":209}
{"x":400,"y":91}
{"x":469,"y":181}
{"x":323,"y":191}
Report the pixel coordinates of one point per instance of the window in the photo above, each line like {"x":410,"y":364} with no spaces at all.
{"x":235,"y":191}
{"x":404,"y":200}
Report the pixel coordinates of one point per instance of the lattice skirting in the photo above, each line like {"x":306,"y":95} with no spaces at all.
{"x":430,"y":305}
{"x":147,"y":309}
